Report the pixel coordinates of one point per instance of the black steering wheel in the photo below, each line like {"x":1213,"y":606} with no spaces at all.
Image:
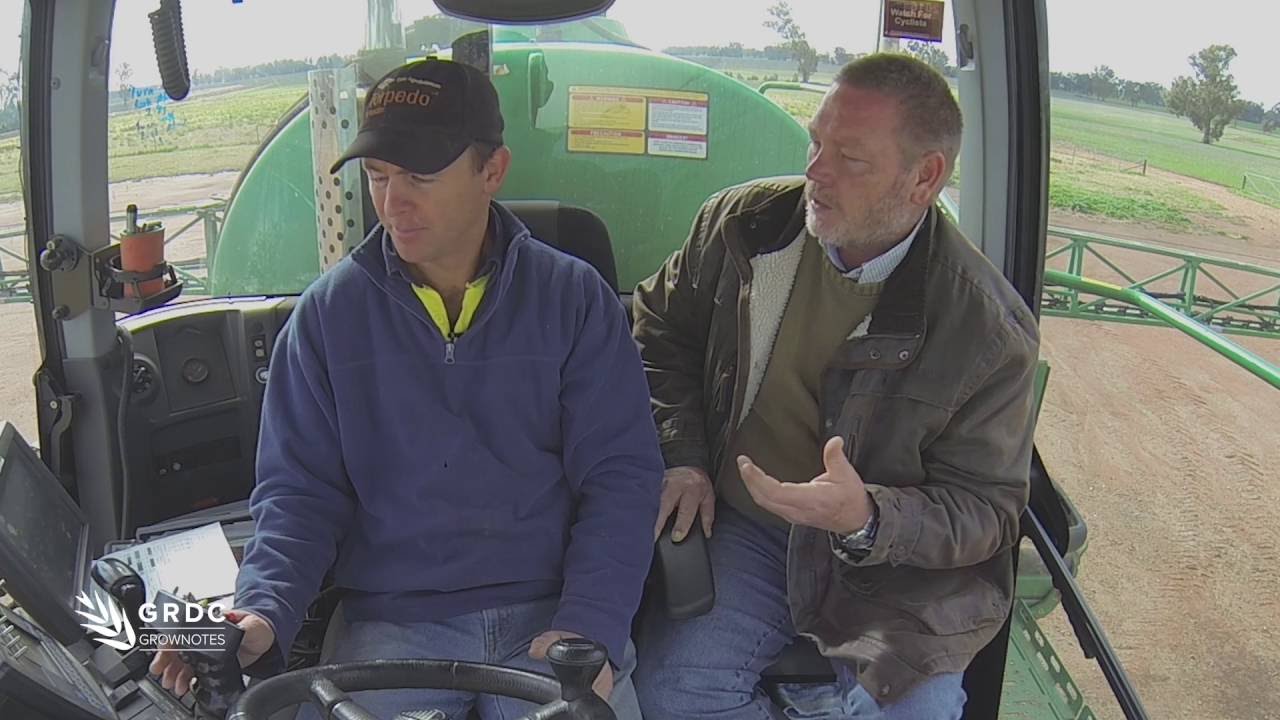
{"x":576,"y":663}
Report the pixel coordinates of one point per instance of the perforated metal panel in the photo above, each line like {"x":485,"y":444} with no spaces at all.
{"x":335,"y":119}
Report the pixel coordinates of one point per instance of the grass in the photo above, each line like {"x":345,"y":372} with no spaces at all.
{"x":801,"y":105}
{"x":209,"y":135}
{"x":1165,"y":141}
{"x":1093,"y":188}
{"x":10,"y":165}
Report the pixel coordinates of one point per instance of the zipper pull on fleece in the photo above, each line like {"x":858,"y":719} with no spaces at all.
{"x":448,"y":351}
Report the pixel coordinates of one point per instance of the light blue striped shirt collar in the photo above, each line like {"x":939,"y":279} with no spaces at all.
{"x":880,"y":267}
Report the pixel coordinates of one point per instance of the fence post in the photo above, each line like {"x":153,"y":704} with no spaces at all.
{"x":1144,"y":167}
{"x":1244,"y":181}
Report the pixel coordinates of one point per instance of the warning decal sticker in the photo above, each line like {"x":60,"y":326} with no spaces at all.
{"x":638,"y":121}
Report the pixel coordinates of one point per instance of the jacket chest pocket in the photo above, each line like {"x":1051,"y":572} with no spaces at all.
{"x":926,"y":381}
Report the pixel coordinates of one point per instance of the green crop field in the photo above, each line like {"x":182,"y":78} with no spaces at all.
{"x":1165,"y":141}
{"x":1093,"y":188}
{"x":209,"y":134}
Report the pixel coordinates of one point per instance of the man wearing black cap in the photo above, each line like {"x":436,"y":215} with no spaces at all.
{"x":456,"y":423}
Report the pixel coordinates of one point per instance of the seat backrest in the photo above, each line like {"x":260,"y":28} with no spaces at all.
{"x":567,"y":228}
{"x":570,"y":229}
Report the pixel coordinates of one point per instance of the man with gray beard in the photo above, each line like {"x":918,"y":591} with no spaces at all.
{"x":842,"y":385}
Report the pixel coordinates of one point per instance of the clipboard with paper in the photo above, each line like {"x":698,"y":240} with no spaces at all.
{"x":196,"y":563}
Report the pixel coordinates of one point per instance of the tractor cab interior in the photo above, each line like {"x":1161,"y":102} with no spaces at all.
{"x":149,"y":404}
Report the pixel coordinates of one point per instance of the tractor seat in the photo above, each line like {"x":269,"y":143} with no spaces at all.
{"x":569,"y":229}
{"x":573,"y":230}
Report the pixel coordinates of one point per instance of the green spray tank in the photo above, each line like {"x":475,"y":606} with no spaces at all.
{"x":646,"y":184}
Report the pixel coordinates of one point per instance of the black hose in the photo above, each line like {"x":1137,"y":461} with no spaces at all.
{"x":122,"y":414}
{"x":170,"y":44}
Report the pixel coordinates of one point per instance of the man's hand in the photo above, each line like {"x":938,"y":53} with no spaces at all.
{"x":176,"y":675}
{"x":836,"y":500}
{"x":538,"y":651}
{"x":688,"y":491}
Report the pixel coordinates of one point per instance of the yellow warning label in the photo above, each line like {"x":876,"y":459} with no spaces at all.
{"x":625,"y":142}
{"x":601,"y":108}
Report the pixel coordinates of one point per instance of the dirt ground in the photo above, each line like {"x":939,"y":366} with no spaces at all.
{"x":1168,"y":450}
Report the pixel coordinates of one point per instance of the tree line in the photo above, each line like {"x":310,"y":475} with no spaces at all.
{"x":1208,"y":97}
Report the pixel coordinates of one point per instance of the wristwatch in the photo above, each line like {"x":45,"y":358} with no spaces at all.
{"x":856,"y":544}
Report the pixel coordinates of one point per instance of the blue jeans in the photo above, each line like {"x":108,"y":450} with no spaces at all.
{"x":709,"y":667}
{"x":498,"y":636}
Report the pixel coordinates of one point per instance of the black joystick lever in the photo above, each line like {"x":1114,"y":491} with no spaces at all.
{"x":208,"y":647}
{"x":576,"y":663}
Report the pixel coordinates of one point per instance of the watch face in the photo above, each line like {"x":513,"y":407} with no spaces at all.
{"x":856,"y":541}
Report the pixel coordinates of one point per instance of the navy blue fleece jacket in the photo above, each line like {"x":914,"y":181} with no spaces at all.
{"x":438,"y":478}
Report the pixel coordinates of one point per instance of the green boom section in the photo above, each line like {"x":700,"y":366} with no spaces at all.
{"x":268,"y":242}
{"x":1240,"y":356}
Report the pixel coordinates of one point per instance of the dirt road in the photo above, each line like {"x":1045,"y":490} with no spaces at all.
{"x":1169,"y":451}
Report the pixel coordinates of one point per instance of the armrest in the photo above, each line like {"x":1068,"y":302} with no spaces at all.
{"x":683,"y":570}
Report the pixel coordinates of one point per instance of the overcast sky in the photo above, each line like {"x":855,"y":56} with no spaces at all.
{"x":1140,"y":39}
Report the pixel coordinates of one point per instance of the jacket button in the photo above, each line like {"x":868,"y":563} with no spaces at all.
{"x":904,"y":355}
{"x":875,"y":354}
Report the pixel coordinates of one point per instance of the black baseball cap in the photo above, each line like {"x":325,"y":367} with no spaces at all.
{"x":422,"y":116}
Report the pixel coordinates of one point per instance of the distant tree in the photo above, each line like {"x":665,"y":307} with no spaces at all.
{"x":1272,"y":119}
{"x":732,"y":50}
{"x":1210,"y":99}
{"x":932,"y":54}
{"x":1096,"y":83}
{"x":124,"y":77}
{"x":268,"y":69}
{"x":1082,"y":83}
{"x":1077,"y":83}
{"x":794,"y":40}
{"x":840,"y":55}
{"x":1151,"y":93}
{"x":1131,"y":92}
{"x":10,"y":100}
{"x":438,"y":30}
{"x":1253,"y":112}
{"x":1103,"y":83}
